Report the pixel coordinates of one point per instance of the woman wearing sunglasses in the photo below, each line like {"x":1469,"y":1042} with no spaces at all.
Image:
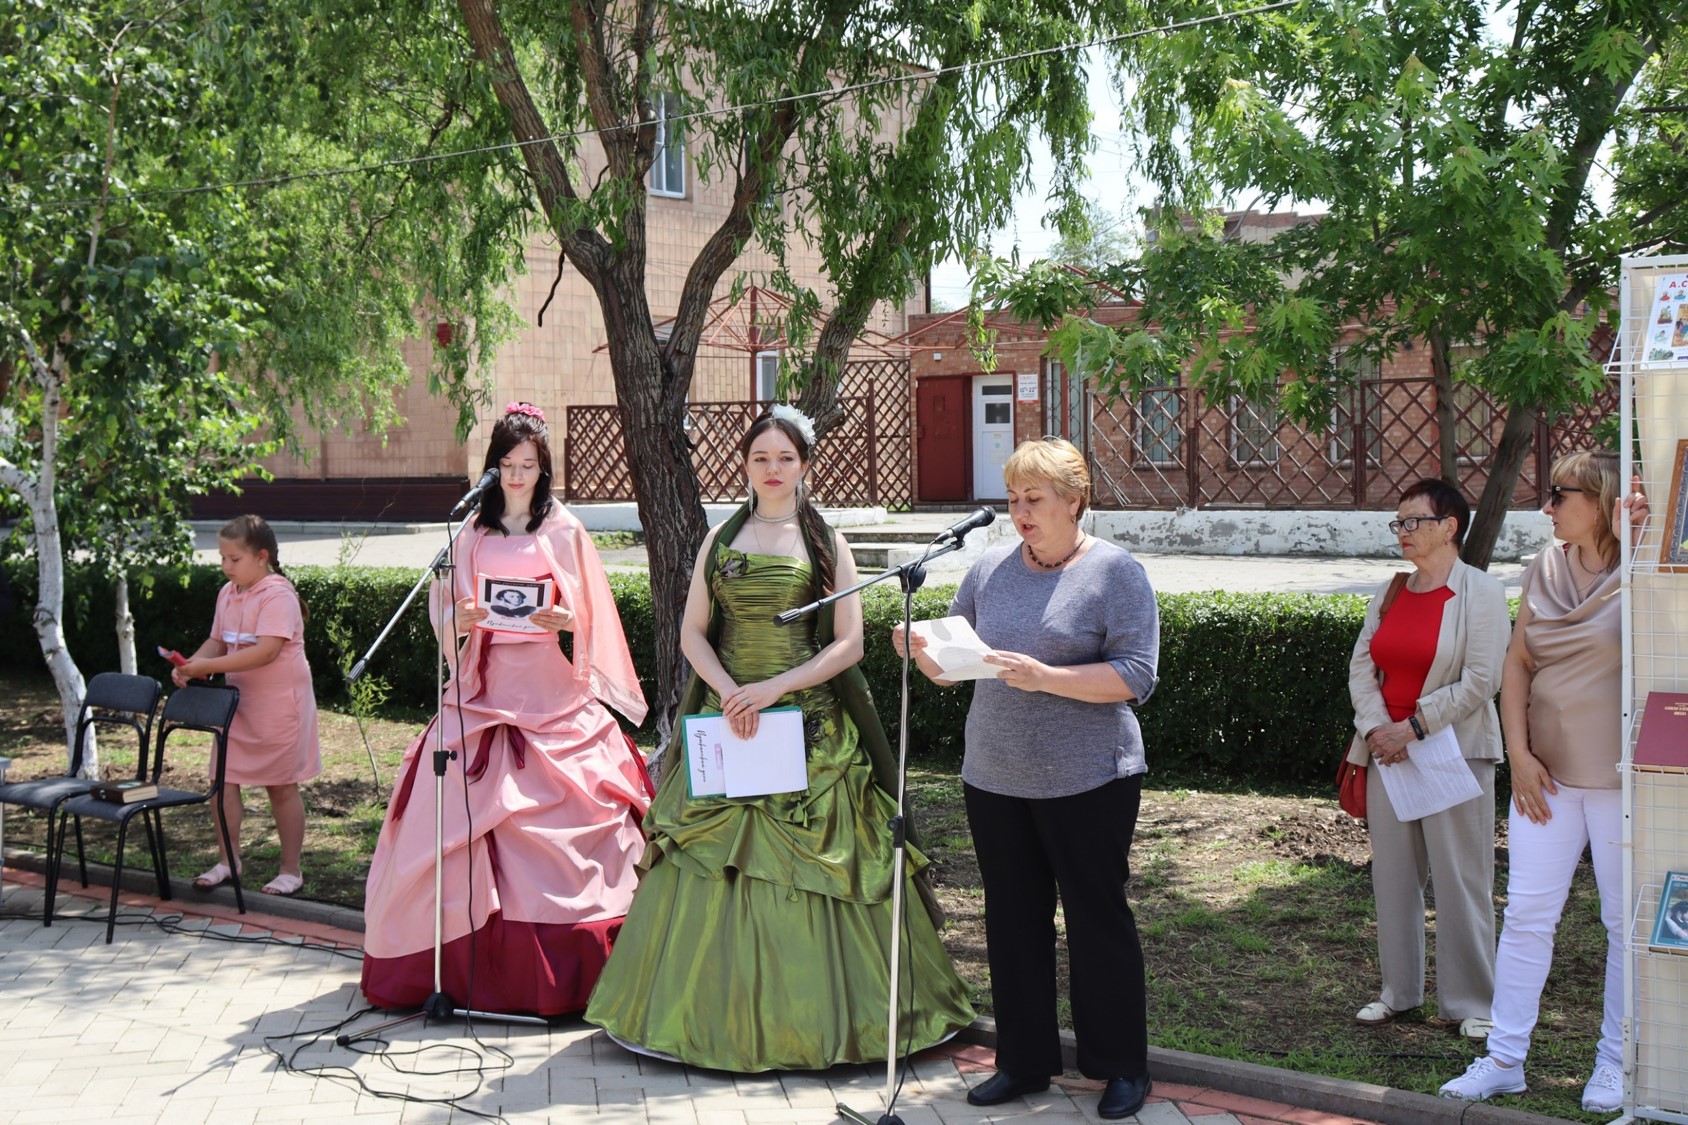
{"x":1429,"y":657}
{"x":1560,"y":700}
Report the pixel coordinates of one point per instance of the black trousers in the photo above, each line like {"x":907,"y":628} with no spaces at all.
{"x":1080,"y":846}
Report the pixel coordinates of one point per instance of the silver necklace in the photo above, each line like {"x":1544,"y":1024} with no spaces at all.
{"x":756,"y":535}
{"x":756,"y":513}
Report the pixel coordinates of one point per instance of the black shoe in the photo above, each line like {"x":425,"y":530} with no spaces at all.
{"x":1004,"y":1087}
{"x":1122,"y":1097}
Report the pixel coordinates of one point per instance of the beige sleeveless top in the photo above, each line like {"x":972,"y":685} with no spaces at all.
{"x":1576,"y":643}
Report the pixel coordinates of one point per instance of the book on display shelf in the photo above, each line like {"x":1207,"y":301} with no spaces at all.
{"x":1661,"y":745}
{"x":1670,"y":927}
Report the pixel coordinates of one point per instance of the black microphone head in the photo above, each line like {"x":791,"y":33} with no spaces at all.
{"x":987,"y":515}
{"x":490,"y":476}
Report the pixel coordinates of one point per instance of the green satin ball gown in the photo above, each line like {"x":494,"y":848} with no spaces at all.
{"x":760,"y":934}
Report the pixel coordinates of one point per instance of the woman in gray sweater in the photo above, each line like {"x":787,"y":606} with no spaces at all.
{"x":1053,"y":773}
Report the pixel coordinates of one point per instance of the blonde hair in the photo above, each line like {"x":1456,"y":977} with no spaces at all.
{"x":1054,"y":461}
{"x":1595,"y":471}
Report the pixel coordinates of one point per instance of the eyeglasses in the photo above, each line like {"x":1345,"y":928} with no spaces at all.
{"x":1411,"y":523}
{"x":1556,"y":494}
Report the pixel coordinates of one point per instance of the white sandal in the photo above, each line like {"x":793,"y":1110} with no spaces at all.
{"x":284,"y":884}
{"x":215,"y":877}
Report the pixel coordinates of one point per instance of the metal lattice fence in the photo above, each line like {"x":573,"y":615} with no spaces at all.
{"x":866,"y":459}
{"x":1171,"y":447}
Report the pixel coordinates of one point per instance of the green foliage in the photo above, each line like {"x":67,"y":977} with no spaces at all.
{"x":1455,"y":149}
{"x":1253,"y":687}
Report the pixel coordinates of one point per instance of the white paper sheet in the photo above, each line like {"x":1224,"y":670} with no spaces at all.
{"x":721,"y":764}
{"x":959,"y":652}
{"x":1433,"y":777}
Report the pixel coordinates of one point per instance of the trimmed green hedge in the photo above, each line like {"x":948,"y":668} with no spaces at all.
{"x":1253,"y":686}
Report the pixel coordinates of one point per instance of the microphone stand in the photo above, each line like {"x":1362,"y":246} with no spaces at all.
{"x":910,"y":575}
{"x":438,"y":1005}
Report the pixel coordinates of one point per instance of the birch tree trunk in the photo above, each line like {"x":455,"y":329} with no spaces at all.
{"x":125,"y":628}
{"x":36,"y":491}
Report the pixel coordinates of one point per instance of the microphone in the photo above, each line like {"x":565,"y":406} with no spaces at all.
{"x":472,"y":498}
{"x":958,"y":532}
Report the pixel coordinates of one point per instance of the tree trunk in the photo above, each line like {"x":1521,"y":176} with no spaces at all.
{"x":37,"y":493}
{"x":1447,"y":422}
{"x":671,"y":511}
{"x":1497,"y":494}
{"x":125,"y":628}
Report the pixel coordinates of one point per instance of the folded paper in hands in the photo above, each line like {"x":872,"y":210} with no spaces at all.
{"x":957,"y":649}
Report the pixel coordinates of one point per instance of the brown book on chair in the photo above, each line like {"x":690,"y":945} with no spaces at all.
{"x":125,"y":792}
{"x":1661,"y":746}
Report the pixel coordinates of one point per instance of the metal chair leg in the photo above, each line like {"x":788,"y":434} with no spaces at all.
{"x":155,"y":831}
{"x":81,"y":851}
{"x":116,"y":880}
{"x":55,"y":861}
{"x":228,"y":850}
{"x":158,"y":872}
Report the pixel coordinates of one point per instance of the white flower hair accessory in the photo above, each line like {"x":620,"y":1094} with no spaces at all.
{"x":796,"y":419}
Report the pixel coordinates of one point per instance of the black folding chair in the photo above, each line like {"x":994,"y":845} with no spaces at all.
{"x":197,"y":707}
{"x":113,"y":699}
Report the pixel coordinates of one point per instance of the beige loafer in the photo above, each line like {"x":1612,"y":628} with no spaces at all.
{"x":1375,"y":1013}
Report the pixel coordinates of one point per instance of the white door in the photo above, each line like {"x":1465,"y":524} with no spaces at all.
{"x":993,"y":433}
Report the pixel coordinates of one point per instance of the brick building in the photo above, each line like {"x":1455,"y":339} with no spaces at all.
{"x":1173,"y":447}
{"x":420,"y":468}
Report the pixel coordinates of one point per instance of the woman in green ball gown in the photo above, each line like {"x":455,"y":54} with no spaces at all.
{"x":760,"y":935}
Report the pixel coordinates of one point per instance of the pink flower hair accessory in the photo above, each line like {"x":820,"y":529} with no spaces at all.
{"x":527,"y":408}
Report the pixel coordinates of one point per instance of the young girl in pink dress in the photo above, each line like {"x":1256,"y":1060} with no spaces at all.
{"x":257,"y":643}
{"x":542,"y":803}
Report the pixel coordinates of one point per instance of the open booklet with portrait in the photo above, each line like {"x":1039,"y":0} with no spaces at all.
{"x":511,"y":602}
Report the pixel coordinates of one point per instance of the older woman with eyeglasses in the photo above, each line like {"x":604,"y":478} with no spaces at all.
{"x":1560,"y":699}
{"x":1429,"y":657}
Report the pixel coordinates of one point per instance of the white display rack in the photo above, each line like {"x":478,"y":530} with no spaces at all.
{"x":1654,"y":408}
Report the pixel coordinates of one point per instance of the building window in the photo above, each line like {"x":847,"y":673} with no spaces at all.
{"x":1366,"y":371}
{"x":1159,"y":423}
{"x":1474,"y":411}
{"x":767,"y":376}
{"x":1065,"y":403}
{"x":1254,"y":433}
{"x":668,"y":169}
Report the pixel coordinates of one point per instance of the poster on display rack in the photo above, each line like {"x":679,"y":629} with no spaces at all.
{"x":1667,"y":324}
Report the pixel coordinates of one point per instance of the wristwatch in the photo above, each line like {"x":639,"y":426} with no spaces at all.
{"x":1418,"y":727}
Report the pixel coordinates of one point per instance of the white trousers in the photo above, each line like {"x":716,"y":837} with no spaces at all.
{"x":1544,"y":857}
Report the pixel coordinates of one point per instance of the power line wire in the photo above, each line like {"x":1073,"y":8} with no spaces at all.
{"x":695,"y":115}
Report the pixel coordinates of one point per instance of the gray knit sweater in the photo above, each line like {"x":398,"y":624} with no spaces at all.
{"x":1097,"y":608}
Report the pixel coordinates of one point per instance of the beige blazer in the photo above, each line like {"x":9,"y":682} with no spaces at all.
{"x":1459,"y":690}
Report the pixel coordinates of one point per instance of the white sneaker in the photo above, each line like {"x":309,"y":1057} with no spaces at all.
{"x":1605,"y":1090}
{"x":1484,"y":1079}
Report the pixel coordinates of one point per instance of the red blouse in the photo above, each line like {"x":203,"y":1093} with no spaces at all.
{"x":1405,"y":645}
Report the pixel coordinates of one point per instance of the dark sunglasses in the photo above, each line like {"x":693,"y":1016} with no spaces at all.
{"x":1556,"y":493}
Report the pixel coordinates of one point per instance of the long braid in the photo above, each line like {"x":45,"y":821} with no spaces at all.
{"x":821,"y":536}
